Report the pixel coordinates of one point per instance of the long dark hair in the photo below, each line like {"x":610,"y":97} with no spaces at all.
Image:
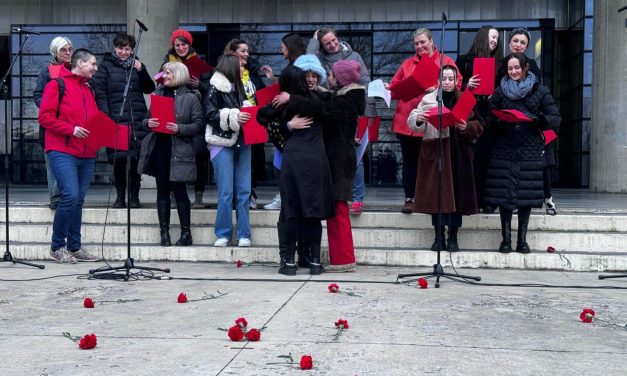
{"x":229,"y":66}
{"x":292,"y":80}
{"x":481,"y":45}
{"x":295,"y":46}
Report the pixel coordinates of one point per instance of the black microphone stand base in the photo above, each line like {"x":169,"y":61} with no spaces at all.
{"x":613,"y":276}
{"x":438,"y":271}
{"x":106,"y":271}
{"x":8,"y":257}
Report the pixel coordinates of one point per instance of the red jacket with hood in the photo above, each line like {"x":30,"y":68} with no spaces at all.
{"x":77,"y":106}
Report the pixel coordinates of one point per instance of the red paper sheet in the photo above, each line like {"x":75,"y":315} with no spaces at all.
{"x":373,"y":128}
{"x":461,"y":111}
{"x":485,"y":68}
{"x":162,"y":108}
{"x":511,"y":116}
{"x":267,"y":94}
{"x":425,"y":75}
{"x":197,"y":66}
{"x":105,"y":132}
{"x":254,"y":133}
{"x":549,"y":136}
{"x":159,"y":78}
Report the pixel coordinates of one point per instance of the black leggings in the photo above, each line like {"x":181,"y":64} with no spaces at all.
{"x":162,"y":178}
{"x":548,"y":172}
{"x":309,"y":229}
{"x":119,"y":173}
{"x":410,"y":149}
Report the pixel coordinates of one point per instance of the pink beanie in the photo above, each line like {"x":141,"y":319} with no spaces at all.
{"x":181,"y":33}
{"x":347,"y":72}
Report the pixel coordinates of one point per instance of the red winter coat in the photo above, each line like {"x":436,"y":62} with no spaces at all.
{"x":78,"y":105}
{"x":399,"y":124}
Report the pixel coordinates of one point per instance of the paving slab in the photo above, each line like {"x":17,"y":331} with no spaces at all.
{"x":395,"y":329}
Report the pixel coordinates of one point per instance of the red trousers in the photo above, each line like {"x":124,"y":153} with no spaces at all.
{"x":340,"y":234}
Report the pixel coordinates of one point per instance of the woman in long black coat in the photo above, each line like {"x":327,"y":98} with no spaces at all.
{"x":515,"y":178}
{"x":109,"y":82}
{"x":305,"y":183}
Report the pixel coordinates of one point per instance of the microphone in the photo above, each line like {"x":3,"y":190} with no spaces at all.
{"x":20,"y":30}
{"x":444,"y":19}
{"x":141,"y":25}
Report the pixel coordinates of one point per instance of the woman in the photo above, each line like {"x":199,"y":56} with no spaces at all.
{"x":458,"y":186}
{"x":229,"y":155}
{"x":252,"y":82}
{"x":61,"y":51}
{"x":305,"y":184}
{"x":486,"y":44}
{"x":181,"y":50}
{"x":71,"y":158}
{"x":170,"y":157}
{"x":411,"y":141}
{"x":109,"y":83}
{"x":515,"y":171}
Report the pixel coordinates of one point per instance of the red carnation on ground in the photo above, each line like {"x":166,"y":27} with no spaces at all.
{"x":306,"y":362}
{"x":238,"y":263}
{"x":550,"y":249}
{"x":241,"y":322}
{"x":182,"y":298}
{"x":88,"y":303}
{"x":253,"y":335}
{"x":236,"y":333}
{"x":89,"y":341}
{"x":334,"y":288}
{"x":344,"y":324}
{"x":586,"y":315}
{"x":423,"y":283}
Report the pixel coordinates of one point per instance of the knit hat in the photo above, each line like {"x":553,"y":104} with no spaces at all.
{"x":346,"y":72}
{"x":310,"y":63}
{"x":181,"y":33}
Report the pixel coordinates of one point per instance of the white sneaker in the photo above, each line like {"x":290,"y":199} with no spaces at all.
{"x":244,"y":242}
{"x":252,"y":203}
{"x":221,"y":242}
{"x":551,"y":208}
{"x":275,"y":204}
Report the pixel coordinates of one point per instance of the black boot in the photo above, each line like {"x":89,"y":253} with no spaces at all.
{"x":184,"y":210}
{"x":452,"y":245}
{"x":523,"y":223}
{"x":288,"y":265}
{"x":163,"y":211}
{"x":134,"y":203}
{"x":506,"y":230}
{"x":120,"y":202}
{"x":315,"y":267}
{"x":438,"y":234}
{"x":304,"y":253}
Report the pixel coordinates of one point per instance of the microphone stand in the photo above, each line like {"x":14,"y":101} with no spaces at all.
{"x":129,"y":263}
{"x":438,"y":270}
{"x":8,"y":257}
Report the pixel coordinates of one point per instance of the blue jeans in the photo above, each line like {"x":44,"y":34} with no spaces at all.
{"x":359,"y":184}
{"x":232,"y":169}
{"x":73,"y":176}
{"x":53,"y":189}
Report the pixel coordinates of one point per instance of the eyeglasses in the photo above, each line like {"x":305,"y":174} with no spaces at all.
{"x":66,"y":50}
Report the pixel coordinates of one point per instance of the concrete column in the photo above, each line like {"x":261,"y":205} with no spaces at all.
{"x":608,"y":143}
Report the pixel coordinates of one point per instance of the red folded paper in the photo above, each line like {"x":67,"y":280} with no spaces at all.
{"x":424,"y":76}
{"x":549,"y":136}
{"x":267,"y":94}
{"x":105,"y":132}
{"x":254,"y":133}
{"x":197,"y":66}
{"x":485,"y":68}
{"x":162,"y":108}
{"x":511,"y":116}
{"x":373,"y":128}
{"x":159,"y":78}
{"x":461,"y":111}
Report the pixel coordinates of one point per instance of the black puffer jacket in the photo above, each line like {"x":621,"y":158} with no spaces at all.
{"x":515,"y":170}
{"x":109,"y":83}
{"x":222,"y":107}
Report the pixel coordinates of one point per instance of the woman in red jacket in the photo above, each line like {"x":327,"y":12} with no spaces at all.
{"x":411,"y":141}
{"x":71,"y":158}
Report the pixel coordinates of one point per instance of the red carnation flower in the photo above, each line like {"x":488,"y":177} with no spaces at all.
{"x":89,"y":341}
{"x":182,"y":298}
{"x":344,"y":323}
{"x":334,"y":288}
{"x":550,"y":249}
{"x":306,"y":362}
{"x":242,"y":322}
{"x":88,"y":303}
{"x":423,"y":283}
{"x":238,"y":263}
{"x":587,"y":315}
{"x":235,"y":333}
{"x":253,"y":335}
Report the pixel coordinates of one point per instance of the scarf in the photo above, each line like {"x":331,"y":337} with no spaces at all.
{"x":172,"y":58}
{"x":126,"y":64}
{"x":516,"y":90}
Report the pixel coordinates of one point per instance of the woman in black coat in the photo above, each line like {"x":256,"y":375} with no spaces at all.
{"x":515,"y":178}
{"x":109,"y":83}
{"x":170,"y":157}
{"x":305,"y":183}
